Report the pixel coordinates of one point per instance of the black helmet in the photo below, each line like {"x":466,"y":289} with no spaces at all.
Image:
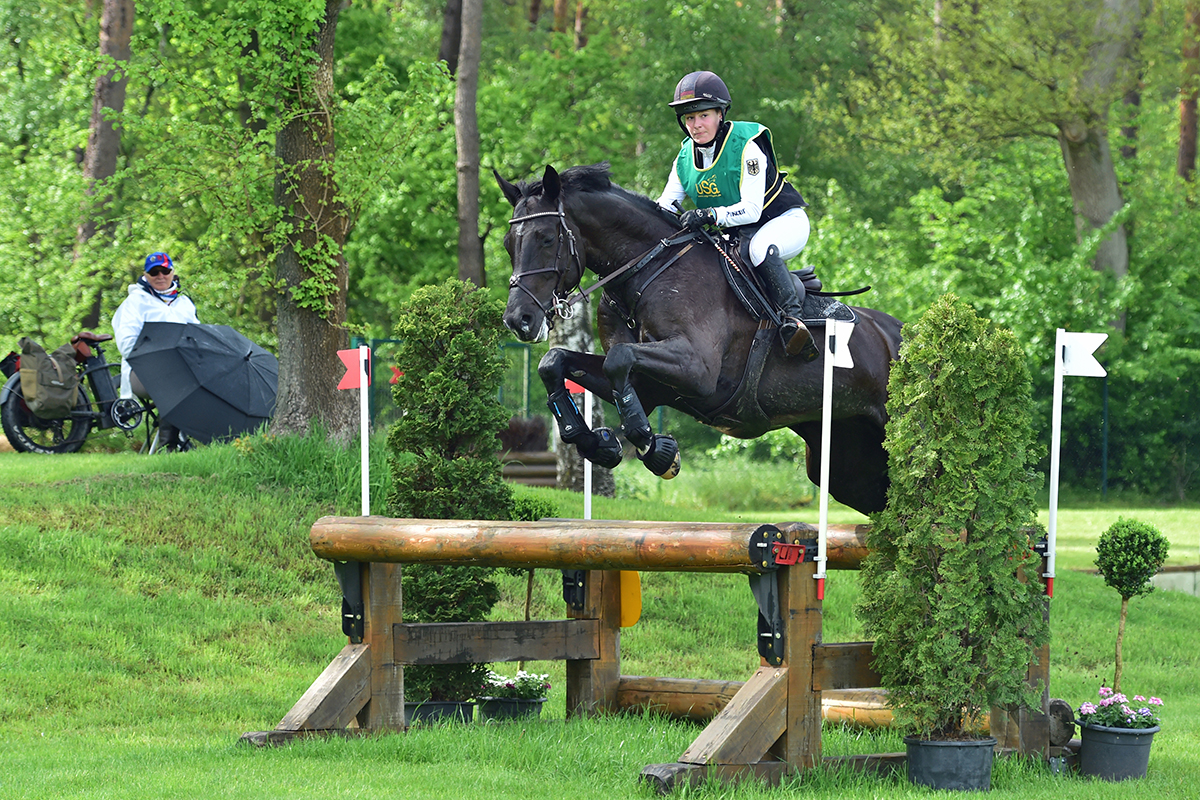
{"x":698,"y":91}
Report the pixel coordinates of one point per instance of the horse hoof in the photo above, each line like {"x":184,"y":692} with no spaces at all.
{"x":662,"y":457}
{"x":607,"y":452}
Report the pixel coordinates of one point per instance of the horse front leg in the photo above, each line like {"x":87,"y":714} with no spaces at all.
{"x":600,"y":446}
{"x":671,"y":362}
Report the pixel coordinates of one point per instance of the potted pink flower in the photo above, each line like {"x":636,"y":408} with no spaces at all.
{"x":1116,"y":733}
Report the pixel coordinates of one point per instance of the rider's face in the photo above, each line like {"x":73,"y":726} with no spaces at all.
{"x":702,"y":125}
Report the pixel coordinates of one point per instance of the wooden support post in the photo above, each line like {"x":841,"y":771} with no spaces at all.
{"x":381,"y":590}
{"x":772,"y":726}
{"x":592,"y":684}
{"x":1020,"y":728}
{"x":800,"y":745}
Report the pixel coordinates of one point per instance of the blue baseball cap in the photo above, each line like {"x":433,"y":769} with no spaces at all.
{"x":159,"y":260}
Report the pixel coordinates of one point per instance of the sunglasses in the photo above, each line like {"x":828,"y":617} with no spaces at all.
{"x":156,"y":271}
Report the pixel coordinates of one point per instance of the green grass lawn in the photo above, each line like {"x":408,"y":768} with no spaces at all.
{"x":152,"y":609}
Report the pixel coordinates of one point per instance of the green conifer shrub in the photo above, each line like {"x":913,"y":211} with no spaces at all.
{"x":955,"y":627}
{"x":444,"y":459}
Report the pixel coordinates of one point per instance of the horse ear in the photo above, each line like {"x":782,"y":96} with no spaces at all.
{"x":511,"y":193}
{"x":551,"y":185}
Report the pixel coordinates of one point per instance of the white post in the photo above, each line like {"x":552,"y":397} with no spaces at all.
{"x":1055,"y":450}
{"x":364,"y":354}
{"x":826,"y":438}
{"x":1072,"y":356}
{"x":587,"y":464}
{"x":837,"y":354}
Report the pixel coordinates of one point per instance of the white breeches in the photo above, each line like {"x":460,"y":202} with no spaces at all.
{"x":788,"y":232}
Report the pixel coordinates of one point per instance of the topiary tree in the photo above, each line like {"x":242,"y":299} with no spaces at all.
{"x":955,"y":626}
{"x":1128,"y":555}
{"x":444,"y":459}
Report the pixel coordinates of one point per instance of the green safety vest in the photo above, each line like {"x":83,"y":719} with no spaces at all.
{"x":721,"y":183}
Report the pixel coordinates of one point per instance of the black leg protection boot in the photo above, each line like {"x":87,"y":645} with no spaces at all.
{"x":786,"y":294}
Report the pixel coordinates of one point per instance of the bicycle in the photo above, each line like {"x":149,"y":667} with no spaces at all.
{"x":29,"y":433}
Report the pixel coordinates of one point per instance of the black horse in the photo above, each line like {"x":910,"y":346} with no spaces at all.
{"x":675,"y":334}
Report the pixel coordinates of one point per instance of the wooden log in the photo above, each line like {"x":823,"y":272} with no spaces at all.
{"x":677,"y":698}
{"x":577,"y":544}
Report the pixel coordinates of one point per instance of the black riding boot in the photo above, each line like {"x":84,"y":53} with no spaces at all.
{"x":787,"y":294}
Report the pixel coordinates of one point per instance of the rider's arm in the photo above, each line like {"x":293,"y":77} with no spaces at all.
{"x":753,"y":190}
{"x":672,"y":196}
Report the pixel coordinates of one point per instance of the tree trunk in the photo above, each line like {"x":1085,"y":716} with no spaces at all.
{"x":1086,"y":151}
{"x":310,"y":266}
{"x":576,"y":334}
{"x":1116,"y":687}
{"x":535,"y":12}
{"x":104,"y":139}
{"x":580,"y":24}
{"x":1095,"y":192}
{"x":452,"y":26}
{"x":466,"y":132}
{"x":560,"y":16}
{"x":1185,"y":164}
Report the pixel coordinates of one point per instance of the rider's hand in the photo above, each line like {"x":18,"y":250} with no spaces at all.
{"x":697,"y":218}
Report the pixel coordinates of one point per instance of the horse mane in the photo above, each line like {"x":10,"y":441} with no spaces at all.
{"x":597,"y":178}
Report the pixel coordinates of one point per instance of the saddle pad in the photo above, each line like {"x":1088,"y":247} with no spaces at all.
{"x":818,"y":308}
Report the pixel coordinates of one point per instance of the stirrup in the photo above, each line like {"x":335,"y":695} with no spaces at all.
{"x":796,"y":342}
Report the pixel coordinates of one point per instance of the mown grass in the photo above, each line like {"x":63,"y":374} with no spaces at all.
{"x":154,"y":608}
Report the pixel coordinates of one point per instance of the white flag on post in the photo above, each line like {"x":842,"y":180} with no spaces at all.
{"x":1073,"y":355}
{"x":837,"y":354}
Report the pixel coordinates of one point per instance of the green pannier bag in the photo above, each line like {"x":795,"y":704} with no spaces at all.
{"x":49,"y":382}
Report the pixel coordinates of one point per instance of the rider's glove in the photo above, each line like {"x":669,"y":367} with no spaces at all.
{"x":697,"y":218}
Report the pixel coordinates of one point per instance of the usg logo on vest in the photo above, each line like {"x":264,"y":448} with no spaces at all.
{"x":707,"y":188}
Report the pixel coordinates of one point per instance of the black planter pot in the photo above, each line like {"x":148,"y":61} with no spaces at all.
{"x":498,"y":708}
{"x":438,"y":711}
{"x":1114,"y":754}
{"x":965,"y":765}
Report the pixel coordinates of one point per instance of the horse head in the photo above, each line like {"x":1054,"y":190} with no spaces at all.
{"x":546,"y":254}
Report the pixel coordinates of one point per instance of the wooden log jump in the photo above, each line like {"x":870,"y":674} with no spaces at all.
{"x":765,"y":727}
{"x":589,"y":544}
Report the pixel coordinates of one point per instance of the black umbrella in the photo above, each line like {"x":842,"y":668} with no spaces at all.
{"x":209,"y":381}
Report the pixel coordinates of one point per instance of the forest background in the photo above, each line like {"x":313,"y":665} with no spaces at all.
{"x":303,"y":160}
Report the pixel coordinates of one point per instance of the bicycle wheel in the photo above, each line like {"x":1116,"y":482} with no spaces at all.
{"x":29,"y":433}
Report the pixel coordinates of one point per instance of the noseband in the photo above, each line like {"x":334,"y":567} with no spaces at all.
{"x":559,"y":304}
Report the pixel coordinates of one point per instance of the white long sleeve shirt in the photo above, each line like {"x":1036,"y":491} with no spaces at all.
{"x":137,"y":309}
{"x":753,"y":187}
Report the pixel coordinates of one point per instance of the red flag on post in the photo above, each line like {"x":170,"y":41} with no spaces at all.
{"x":350,"y":358}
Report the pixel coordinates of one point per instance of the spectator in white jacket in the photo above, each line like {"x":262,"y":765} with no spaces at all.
{"x":154,"y":298}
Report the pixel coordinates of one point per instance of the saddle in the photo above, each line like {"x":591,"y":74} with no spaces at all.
{"x":817,"y":307}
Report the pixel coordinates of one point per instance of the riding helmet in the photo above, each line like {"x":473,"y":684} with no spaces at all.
{"x":698,"y":91}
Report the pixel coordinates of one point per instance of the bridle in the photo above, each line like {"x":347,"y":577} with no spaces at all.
{"x":560,"y":305}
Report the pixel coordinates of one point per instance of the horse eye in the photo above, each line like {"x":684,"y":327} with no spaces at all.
{"x":547,"y":241}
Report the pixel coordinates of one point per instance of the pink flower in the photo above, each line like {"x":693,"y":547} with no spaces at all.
{"x":1137,"y":698}
{"x":1087,"y":708}
{"x":1105,"y":691}
{"x":1154,"y":701}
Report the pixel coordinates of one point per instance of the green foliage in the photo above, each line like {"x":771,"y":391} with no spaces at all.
{"x":445,"y":463}
{"x":954,"y":625}
{"x":1129,"y":554}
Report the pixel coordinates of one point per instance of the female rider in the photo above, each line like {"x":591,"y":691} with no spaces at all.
{"x":728,"y":169}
